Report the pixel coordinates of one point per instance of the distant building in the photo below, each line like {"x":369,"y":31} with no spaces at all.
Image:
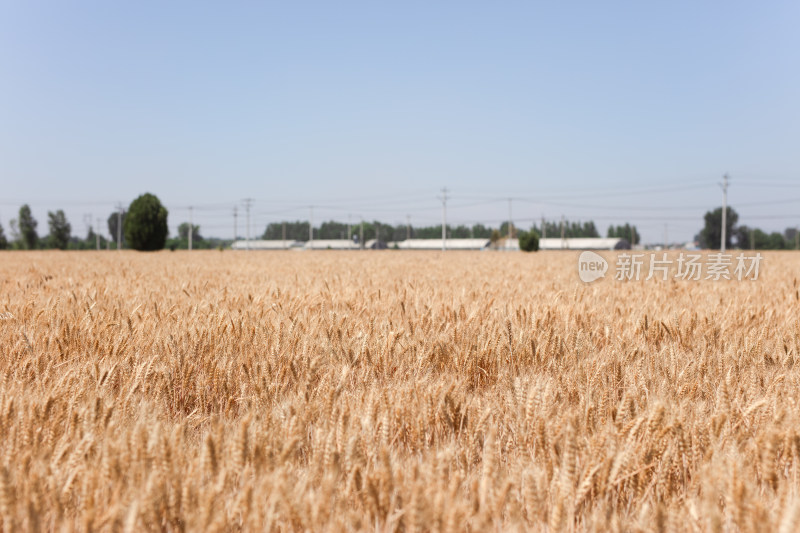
{"x":265,"y":245}
{"x":436,"y":244}
{"x":581,"y":243}
{"x":330,"y":244}
{"x":373,"y":244}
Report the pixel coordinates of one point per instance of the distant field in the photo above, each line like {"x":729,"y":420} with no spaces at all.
{"x":393,"y":391}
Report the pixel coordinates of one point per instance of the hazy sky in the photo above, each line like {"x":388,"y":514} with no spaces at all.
{"x":612,"y":111}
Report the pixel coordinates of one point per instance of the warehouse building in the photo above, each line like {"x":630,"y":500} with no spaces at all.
{"x":330,"y":244}
{"x":265,"y":245}
{"x":583,"y":243}
{"x":436,"y":244}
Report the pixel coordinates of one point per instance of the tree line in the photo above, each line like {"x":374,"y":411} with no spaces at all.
{"x":127,"y":232}
{"x":297,"y":230}
{"x":24,"y":234}
{"x":742,"y":236}
{"x":144,"y":227}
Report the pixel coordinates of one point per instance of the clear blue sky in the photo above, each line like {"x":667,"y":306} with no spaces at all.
{"x":617,"y":111}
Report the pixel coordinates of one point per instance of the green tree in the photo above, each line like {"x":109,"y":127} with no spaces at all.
{"x":183,"y":232}
{"x":27,"y":228}
{"x":776,"y":241}
{"x":504,"y":230}
{"x":627,"y":232}
{"x":459,"y":232}
{"x":529,"y":241}
{"x":113,"y":220}
{"x":744,"y":235}
{"x":91,"y":240}
{"x":758,"y":239}
{"x":3,"y":240}
{"x":60,"y":229}
{"x":479,"y":231}
{"x":181,"y":241}
{"x":295,"y":231}
{"x":399,"y":232}
{"x":145,"y":226}
{"x":711,"y":234}
{"x":331,"y":230}
{"x":792,"y":238}
{"x":382,"y":231}
{"x":571,"y":229}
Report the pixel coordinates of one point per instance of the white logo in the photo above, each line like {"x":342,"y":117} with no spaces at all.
{"x":591,"y":266}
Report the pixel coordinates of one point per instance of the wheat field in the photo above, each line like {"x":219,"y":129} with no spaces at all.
{"x":393,"y":391}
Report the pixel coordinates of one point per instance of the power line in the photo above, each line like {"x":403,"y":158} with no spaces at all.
{"x":596,"y":193}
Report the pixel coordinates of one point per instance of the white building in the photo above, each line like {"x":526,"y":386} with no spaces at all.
{"x":265,"y":245}
{"x":330,"y":244}
{"x":429,"y":244}
{"x":586,"y":243}
{"x":436,"y":244}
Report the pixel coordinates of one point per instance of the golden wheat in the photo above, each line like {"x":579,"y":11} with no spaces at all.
{"x":393,"y":391}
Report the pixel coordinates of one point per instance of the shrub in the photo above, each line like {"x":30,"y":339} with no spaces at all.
{"x":145,"y":226}
{"x":529,"y":241}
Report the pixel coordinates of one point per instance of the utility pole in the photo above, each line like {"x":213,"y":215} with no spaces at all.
{"x":235,"y":225}
{"x":633,"y":236}
{"x":191,"y":228}
{"x":544,"y":228}
{"x":87,"y":221}
{"x":361,"y":238}
{"x":563,"y":242}
{"x":444,"y":219}
{"x":119,"y":227}
{"x":796,"y":238}
{"x":97,"y":234}
{"x":283,"y":233}
{"x":377,"y":234}
{"x":349,"y":234}
{"x":311,"y":227}
{"x":408,"y":227}
{"x":510,"y":226}
{"x":247,"y":202}
{"x":724,"y":212}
